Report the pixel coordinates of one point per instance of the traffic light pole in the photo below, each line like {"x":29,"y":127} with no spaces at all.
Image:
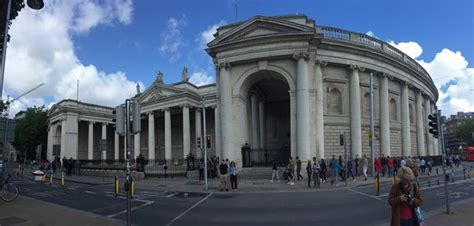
{"x":443,"y":151}
{"x":128,"y":182}
{"x":204,"y":144}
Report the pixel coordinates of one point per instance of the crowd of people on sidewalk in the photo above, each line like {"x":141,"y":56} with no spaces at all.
{"x":68,"y":166}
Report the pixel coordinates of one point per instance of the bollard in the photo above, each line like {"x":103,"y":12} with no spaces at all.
{"x":116,"y":186}
{"x":377,"y":185}
{"x":393,"y":180}
{"x":62,"y":179}
{"x":51,"y":179}
{"x":133,"y":189}
{"x":43,"y":178}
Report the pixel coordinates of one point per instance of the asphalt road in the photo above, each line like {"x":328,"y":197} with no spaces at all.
{"x":356,"y":206}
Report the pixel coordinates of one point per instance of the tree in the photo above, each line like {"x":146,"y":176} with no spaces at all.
{"x":465,"y":131}
{"x":16,"y":7}
{"x":31,"y":131}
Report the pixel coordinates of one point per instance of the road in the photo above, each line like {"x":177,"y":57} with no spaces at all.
{"x":358,"y":206}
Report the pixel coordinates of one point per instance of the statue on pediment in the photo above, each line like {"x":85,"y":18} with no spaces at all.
{"x":185,"y":75}
{"x":159,"y":77}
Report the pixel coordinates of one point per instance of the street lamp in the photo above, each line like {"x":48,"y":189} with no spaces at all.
{"x":34,"y":4}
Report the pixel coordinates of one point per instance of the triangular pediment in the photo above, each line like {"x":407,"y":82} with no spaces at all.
{"x":259,"y":27}
{"x":158,"y":91}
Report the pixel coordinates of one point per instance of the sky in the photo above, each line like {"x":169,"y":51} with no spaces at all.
{"x":109,"y":46}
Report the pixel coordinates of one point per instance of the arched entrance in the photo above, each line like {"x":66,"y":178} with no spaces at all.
{"x":268,"y":113}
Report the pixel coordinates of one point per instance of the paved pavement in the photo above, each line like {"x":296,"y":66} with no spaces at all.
{"x":258,"y":202}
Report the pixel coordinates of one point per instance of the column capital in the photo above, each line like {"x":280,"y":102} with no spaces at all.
{"x":301,"y":55}
{"x":149,"y":113}
{"x":356,"y":67}
{"x":198,"y":109}
{"x":90,"y":122}
{"x":105,"y":123}
{"x":165,"y":109}
{"x":321,"y":62}
{"x":184,"y":105}
{"x":213,"y":106}
{"x":225,"y":65}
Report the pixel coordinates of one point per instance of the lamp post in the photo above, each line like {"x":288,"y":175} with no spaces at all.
{"x":34,"y":4}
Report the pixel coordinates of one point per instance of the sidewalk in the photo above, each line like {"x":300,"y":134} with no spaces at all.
{"x":461,"y":215}
{"x":27,"y":211}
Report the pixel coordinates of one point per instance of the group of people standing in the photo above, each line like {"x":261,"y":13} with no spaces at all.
{"x":69,"y":166}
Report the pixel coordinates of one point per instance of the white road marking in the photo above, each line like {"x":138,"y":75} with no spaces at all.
{"x":189,"y":209}
{"x":147,"y":202}
{"x":90,"y":192}
{"x":171,"y":195}
{"x":361,"y":193}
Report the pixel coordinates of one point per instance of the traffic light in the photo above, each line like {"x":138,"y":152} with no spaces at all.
{"x":433,"y":123}
{"x":341,"y":139}
{"x":119,"y":119}
{"x":209,"y":141}
{"x":198,"y":142}
{"x":136,"y":125}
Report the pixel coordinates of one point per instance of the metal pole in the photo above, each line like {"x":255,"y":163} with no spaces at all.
{"x":345,"y":157}
{"x":441,"y":144}
{"x":128,"y":137}
{"x":5,"y":136}
{"x":372,"y":132}
{"x":4,"y":48}
{"x":203,"y":143}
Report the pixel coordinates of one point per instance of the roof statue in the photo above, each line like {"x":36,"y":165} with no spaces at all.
{"x":138,"y":88}
{"x":159,"y":77}
{"x":185,"y":75}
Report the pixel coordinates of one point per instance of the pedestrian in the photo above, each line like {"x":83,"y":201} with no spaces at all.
{"x":349,"y":168}
{"x":224,"y":176}
{"x":403,"y":163}
{"x":383,"y":160}
{"x":390,"y":166}
{"x":378,"y":166}
{"x":291,"y":171}
{"x":423,"y":165}
{"x":201,"y":169}
{"x":430,"y":166}
{"x":309,"y":172}
{"x":357,"y":165}
{"x":365,"y":166}
{"x":316,"y":169}
{"x":233,"y":175}
{"x":275,"y":173}
{"x":324,"y":170}
{"x":298,"y":168}
{"x":342,"y":168}
{"x":404,"y":197}
{"x":334,"y":165}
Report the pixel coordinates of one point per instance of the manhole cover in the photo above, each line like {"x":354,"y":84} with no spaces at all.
{"x":189,"y":194}
{"x":11,"y":220}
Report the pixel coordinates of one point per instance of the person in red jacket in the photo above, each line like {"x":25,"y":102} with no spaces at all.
{"x":378,"y":166}
{"x":390,"y":166}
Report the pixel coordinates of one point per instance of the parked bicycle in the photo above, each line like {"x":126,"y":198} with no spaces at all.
{"x":8,"y":192}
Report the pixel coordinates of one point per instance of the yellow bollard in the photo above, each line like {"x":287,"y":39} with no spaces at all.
{"x":43,"y":178}
{"x":51,"y":179}
{"x":133,"y":188}
{"x":377,"y":184}
{"x":116,"y":186}
{"x":393,"y":180}
{"x":62,"y":179}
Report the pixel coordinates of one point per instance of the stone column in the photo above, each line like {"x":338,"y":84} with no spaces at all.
{"x":293,"y":122}
{"x":406,"y":141}
{"x":428,"y":134}
{"x":217,"y":124}
{"x":186,"y":132}
{"x":261,"y":111}
{"x":90,"y":142}
{"x":167,"y":134}
{"x":198,"y":132}
{"x":384,"y":116}
{"x":420,"y":138}
{"x":104,"y":137}
{"x":63,"y":138}
{"x":356,"y":137}
{"x":151,"y":136}
{"x":136,"y":145}
{"x":116,"y":146}
{"x":49,"y":154}
{"x":226,"y":111}
{"x":319,"y":108}
{"x":255,"y":124}
{"x":303,"y":135}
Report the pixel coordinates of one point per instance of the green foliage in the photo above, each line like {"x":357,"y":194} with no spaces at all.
{"x":3,"y":107}
{"x":465,"y":130}
{"x":16,"y":7}
{"x":31,"y":131}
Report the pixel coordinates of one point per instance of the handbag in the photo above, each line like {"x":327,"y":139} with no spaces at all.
{"x":419,"y":216}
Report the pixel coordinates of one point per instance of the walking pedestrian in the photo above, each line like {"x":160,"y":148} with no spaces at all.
{"x":224,"y":176}
{"x":365,"y":166}
{"x":377,"y":166}
{"x":275,"y":173}
{"x":298,"y":168}
{"x":349,"y":168}
{"x":291,"y":171}
{"x":334,"y":165}
{"x":316,"y":169}
{"x":233,"y":175}
{"x":423,"y":165}
{"x":201,"y":169}
{"x":390,"y":166}
{"x":404,"y":197}
{"x":309,"y":172}
{"x":357,"y":165}
{"x":342,"y":168}
{"x":324,"y":170}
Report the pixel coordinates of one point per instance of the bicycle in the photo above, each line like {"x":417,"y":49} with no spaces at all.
{"x":8,"y":192}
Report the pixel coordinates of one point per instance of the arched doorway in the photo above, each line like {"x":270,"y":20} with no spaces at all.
{"x":268,"y":114}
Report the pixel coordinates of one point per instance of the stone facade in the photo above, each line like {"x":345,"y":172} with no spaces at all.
{"x":286,"y":86}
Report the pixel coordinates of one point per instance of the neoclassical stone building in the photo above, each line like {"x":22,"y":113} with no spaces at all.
{"x":284,"y":85}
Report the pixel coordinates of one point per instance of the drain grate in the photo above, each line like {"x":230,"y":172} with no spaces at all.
{"x":11,"y":221}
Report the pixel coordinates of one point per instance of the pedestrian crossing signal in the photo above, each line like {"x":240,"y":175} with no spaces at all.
{"x":198,"y":142}
{"x":209,"y":141}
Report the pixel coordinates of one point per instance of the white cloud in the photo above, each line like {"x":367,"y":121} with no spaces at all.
{"x":370,"y":33}
{"x":171,"y":39}
{"x":41,"y":50}
{"x":412,"y":49}
{"x":208,"y":35}
{"x":201,"y":78}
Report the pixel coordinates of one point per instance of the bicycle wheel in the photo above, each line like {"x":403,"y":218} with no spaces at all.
{"x":9,"y":192}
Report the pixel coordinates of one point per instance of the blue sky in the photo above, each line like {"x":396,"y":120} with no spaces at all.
{"x":119,"y":42}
